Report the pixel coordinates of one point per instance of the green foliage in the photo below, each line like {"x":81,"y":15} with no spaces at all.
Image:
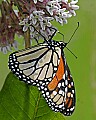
{"x":19,"y":101}
{"x":1,"y":1}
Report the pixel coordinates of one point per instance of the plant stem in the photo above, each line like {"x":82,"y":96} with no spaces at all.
{"x":27,"y":38}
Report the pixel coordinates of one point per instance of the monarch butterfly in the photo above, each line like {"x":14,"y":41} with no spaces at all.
{"x":45,"y":66}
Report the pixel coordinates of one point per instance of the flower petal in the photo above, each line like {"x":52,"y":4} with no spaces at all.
{"x":4,"y":50}
{"x":31,"y":29}
{"x":73,"y":2}
{"x":21,"y":23}
{"x":35,"y":1}
{"x":25,"y":28}
{"x":15,"y":45}
{"x":75,"y":7}
{"x":9,"y":48}
{"x":73,"y":12}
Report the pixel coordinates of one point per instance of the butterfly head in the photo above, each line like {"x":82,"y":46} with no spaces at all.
{"x":62,"y":44}
{"x":59,"y":44}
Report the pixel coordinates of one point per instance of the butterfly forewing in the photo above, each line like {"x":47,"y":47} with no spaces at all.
{"x":34,"y":65}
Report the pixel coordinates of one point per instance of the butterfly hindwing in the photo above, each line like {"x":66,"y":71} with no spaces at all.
{"x":60,"y":92}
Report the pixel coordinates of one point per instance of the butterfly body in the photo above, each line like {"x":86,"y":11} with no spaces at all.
{"x":45,"y":66}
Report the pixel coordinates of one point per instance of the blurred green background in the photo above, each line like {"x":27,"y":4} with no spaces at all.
{"x":83,"y":69}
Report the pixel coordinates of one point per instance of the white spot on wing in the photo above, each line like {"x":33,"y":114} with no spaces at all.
{"x":60,"y":106}
{"x":60,"y":92}
{"x":54,"y":92}
{"x":59,"y":85}
{"x":71,"y":109}
{"x":66,"y":82}
{"x":64,"y":76}
{"x":72,"y":84}
{"x":73,"y":91}
{"x":47,"y":93}
{"x":66,"y":89}
{"x":72,"y":95}
{"x":63,"y":84}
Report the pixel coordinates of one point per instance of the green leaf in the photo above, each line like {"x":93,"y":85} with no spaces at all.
{"x":19,"y":101}
{"x":1,"y":1}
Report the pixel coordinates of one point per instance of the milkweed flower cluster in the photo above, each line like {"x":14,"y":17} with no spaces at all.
{"x":43,"y":12}
{"x":37,"y":15}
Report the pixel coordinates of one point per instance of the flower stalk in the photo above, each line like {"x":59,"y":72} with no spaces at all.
{"x":27,"y":38}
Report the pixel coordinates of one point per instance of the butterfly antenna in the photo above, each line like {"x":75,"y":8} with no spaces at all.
{"x":74,"y":32}
{"x":70,"y":40}
{"x":71,"y":52}
{"x":62,"y":35}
